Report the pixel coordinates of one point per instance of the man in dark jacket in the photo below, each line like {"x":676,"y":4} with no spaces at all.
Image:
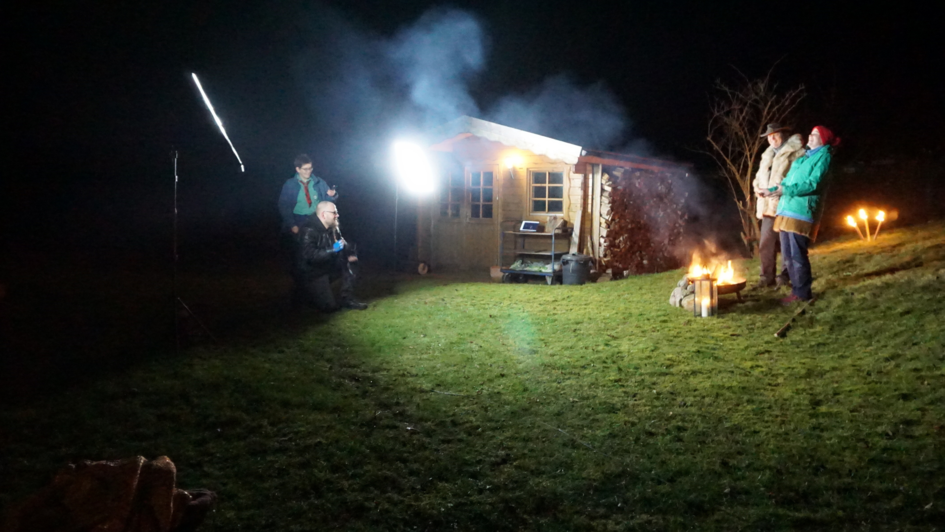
{"x":323,"y":255}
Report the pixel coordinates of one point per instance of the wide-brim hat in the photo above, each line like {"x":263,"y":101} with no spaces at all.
{"x":774,"y":127}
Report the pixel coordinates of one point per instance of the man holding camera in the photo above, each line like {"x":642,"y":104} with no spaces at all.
{"x":324,"y":255}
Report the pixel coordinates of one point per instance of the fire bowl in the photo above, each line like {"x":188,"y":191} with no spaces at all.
{"x":733,"y":288}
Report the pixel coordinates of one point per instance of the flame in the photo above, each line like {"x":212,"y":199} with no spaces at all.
{"x":724,"y":274}
{"x":880,"y":216}
{"x":698,"y":270}
{"x":862,"y":214}
{"x":851,"y":222}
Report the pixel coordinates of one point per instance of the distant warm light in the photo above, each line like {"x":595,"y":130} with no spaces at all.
{"x":414,"y":171}
{"x":216,"y":119}
{"x":880,"y":216}
{"x":862,"y":214}
{"x":851,"y":221}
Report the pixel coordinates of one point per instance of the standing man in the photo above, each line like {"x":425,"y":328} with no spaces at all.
{"x":323,"y":255}
{"x":799,"y":209}
{"x":775,"y":162}
{"x":298,"y":200}
{"x":301,"y":193}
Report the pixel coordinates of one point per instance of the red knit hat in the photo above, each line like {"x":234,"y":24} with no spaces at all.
{"x":827,"y":136}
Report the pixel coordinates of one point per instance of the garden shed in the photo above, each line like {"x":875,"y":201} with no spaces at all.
{"x":492,"y":177}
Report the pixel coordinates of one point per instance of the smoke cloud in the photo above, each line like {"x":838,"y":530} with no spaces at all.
{"x":589,"y":116}
{"x":362,"y":86}
{"x":436,"y":59}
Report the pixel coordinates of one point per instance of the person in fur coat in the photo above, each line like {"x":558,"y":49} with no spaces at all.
{"x":775,"y":163}
{"x":802,"y":202}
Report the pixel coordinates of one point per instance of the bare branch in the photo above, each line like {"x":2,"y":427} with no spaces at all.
{"x":738,"y":115}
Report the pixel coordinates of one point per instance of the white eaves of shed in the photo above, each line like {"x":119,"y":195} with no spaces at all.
{"x":465,"y":126}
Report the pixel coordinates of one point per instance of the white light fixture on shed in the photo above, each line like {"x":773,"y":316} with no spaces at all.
{"x":511,"y":163}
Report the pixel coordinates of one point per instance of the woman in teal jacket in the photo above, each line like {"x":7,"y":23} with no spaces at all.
{"x":802,"y":194}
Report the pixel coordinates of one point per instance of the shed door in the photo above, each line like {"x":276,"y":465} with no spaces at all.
{"x":480,"y":234}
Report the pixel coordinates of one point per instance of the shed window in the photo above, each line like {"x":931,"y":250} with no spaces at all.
{"x":451,"y":194}
{"x":480,"y":194}
{"x":547,"y":192}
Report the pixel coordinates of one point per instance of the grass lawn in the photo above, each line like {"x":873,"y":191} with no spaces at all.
{"x":476,"y":406}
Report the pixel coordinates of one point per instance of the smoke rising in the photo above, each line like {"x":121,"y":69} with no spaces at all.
{"x":362,"y":87}
{"x":436,"y":59}
{"x":558,"y":108}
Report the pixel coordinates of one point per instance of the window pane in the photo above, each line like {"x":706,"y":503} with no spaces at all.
{"x":487,"y":211}
{"x":474,"y":211}
{"x":454,"y":210}
{"x":556,"y":178}
{"x":445,"y":195}
{"x":444,"y":209}
{"x":487,"y":179}
{"x":456,"y":180}
{"x":538,"y":206}
{"x":487,"y":195}
{"x":475,"y":179}
{"x":555,"y":192}
{"x":539,"y":178}
{"x":475,"y":194}
{"x":555,"y":206}
{"x":456,"y":194}
{"x":539,"y":192}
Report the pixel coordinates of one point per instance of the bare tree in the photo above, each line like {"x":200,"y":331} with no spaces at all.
{"x":739,"y":114}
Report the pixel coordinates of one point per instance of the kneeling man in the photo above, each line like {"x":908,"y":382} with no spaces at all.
{"x":323,"y":255}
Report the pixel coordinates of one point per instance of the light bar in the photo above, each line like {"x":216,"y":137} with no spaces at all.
{"x":217,"y":120}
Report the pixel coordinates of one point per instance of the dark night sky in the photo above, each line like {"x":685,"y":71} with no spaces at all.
{"x":101,"y":94}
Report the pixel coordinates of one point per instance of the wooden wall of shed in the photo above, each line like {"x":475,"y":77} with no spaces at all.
{"x":437,"y":246}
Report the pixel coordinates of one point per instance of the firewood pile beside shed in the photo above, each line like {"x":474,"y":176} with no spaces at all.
{"x":642,"y":218}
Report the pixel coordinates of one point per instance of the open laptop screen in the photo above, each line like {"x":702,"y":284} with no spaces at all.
{"x":529,"y":227}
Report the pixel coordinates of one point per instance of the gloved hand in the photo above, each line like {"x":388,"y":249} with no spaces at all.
{"x":338,"y":246}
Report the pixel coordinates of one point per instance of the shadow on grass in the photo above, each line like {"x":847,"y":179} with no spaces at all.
{"x":63,"y":329}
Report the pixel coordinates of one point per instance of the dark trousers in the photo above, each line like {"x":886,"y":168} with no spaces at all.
{"x":769,"y":245}
{"x":316,"y":289}
{"x":794,"y":255}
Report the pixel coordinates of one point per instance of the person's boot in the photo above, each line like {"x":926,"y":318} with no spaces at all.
{"x":764,"y":282}
{"x":353,"y":304}
{"x":783,"y":281}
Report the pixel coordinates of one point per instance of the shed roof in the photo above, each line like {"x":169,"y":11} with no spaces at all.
{"x":625,"y":160}
{"x":443,"y":138}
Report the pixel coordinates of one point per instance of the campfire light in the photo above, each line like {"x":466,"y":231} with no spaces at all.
{"x":866,"y":222}
{"x":723,"y":274}
{"x":851,"y":221}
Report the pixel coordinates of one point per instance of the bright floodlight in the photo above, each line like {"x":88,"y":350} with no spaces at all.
{"x":217,"y":120}
{"x":413,"y":168}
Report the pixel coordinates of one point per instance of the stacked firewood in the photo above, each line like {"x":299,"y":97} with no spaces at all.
{"x":642,"y":220}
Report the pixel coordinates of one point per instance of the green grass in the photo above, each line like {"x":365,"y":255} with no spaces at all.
{"x":476,"y":406}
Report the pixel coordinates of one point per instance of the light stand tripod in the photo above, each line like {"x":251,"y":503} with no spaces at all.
{"x":177,"y":299}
